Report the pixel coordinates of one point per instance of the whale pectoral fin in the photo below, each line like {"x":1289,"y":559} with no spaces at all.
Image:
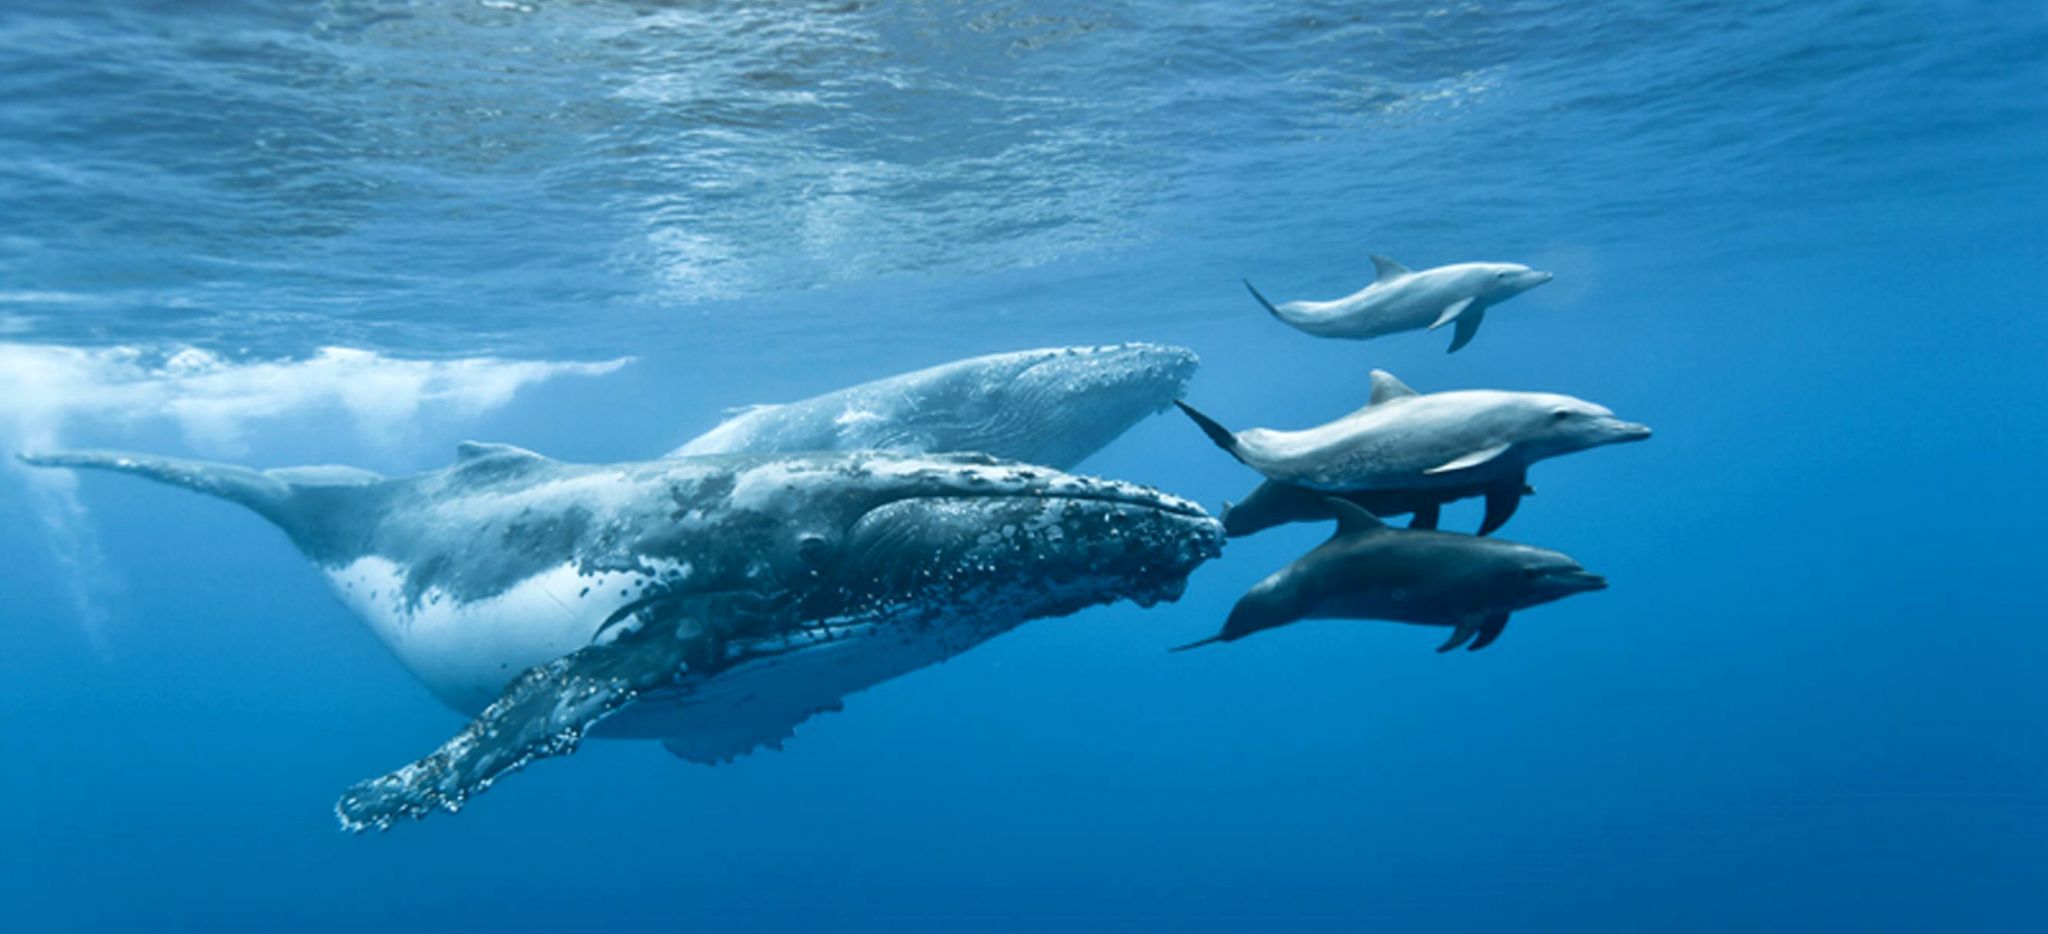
{"x":1502,"y":499}
{"x":723,"y":744}
{"x":1467,"y":628}
{"x":1452,"y":312}
{"x":544,"y":712}
{"x":1489,"y":630}
{"x":1473,"y":459}
{"x":1426,"y":517}
{"x":1468,"y":325}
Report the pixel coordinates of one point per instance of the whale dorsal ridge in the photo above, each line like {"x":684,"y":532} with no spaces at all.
{"x":476,"y":450}
{"x":1384,"y":269}
{"x":1386,"y":388}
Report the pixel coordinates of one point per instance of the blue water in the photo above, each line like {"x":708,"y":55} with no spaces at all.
{"x":1807,"y":242}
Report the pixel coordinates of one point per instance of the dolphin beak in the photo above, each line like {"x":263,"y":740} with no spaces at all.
{"x":1580,"y":581}
{"x":1542,"y":277}
{"x":1633,"y":431}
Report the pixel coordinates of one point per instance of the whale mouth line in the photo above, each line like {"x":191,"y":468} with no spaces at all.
{"x":1172,"y":506}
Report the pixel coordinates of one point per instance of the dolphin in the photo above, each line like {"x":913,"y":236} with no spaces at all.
{"x":1369,"y":570}
{"x":1403,"y":440}
{"x":1053,"y":406}
{"x":1400,"y":299}
{"x":713,"y":602}
{"x":1274,"y":503}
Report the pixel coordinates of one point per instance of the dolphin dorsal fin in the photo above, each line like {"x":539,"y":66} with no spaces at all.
{"x":1351,"y":517}
{"x":1384,"y":269}
{"x":1386,"y":388}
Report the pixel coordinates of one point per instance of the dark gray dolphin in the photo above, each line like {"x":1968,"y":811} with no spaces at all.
{"x":1053,"y":406}
{"x":714,"y":602}
{"x":1274,"y":503}
{"x":1369,"y":570}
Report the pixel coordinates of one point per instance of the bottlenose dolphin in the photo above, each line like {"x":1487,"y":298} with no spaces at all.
{"x":1402,"y":440}
{"x":1369,"y":570}
{"x":1053,"y":406}
{"x":715,"y":602}
{"x":1274,"y":503}
{"x":1400,"y":299}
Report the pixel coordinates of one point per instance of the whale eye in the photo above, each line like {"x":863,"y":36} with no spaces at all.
{"x":811,"y":547}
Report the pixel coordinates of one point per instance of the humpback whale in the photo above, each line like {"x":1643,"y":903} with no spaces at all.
{"x":713,"y":602}
{"x":1446,"y":441}
{"x":1369,"y":570}
{"x":1053,"y":406}
{"x":1400,"y":299}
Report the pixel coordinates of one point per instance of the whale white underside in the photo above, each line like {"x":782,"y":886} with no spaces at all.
{"x":467,"y":651}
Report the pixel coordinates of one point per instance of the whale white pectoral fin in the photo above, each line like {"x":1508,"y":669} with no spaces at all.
{"x":1452,"y":312}
{"x":1386,"y":388}
{"x":1471,"y":460}
{"x":1489,"y":630}
{"x":1468,"y":627}
{"x":268,"y":493}
{"x":1384,"y":268}
{"x":1468,"y":325}
{"x":1351,"y":517}
{"x":544,"y":712}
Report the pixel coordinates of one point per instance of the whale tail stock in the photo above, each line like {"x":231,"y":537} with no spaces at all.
{"x":270,"y":493}
{"x":1214,"y":429}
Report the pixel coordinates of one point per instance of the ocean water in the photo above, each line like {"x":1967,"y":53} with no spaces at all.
{"x":1807,"y":242}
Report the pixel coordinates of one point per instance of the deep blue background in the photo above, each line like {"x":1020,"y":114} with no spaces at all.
{"x":1805,"y":244}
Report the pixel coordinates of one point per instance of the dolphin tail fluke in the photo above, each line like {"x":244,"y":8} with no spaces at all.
{"x":1275,"y":312}
{"x":261,"y":492}
{"x":1214,"y":429}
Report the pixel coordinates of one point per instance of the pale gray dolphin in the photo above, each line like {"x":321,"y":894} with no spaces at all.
{"x":1403,"y":440}
{"x":714,"y":602}
{"x":1400,"y":299}
{"x":1053,"y":406}
{"x":1369,"y":570}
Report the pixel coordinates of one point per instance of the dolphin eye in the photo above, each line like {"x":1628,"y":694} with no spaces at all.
{"x":1560,"y":415}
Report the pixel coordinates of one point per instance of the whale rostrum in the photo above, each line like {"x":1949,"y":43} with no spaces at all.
{"x":713,"y":602}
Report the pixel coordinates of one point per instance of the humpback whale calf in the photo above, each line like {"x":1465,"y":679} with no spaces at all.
{"x":1403,"y":300}
{"x":1368,"y":570}
{"x":1446,"y":441}
{"x":1053,"y":406}
{"x":1274,"y":503}
{"x":713,"y":602}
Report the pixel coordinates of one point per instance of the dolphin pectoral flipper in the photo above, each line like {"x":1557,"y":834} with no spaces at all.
{"x":1472,"y":459}
{"x":1502,"y":499}
{"x":546,"y":711}
{"x":1467,"y":628}
{"x":1468,"y":325}
{"x":1454,"y":312}
{"x":1426,"y":517}
{"x":1489,"y":630}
